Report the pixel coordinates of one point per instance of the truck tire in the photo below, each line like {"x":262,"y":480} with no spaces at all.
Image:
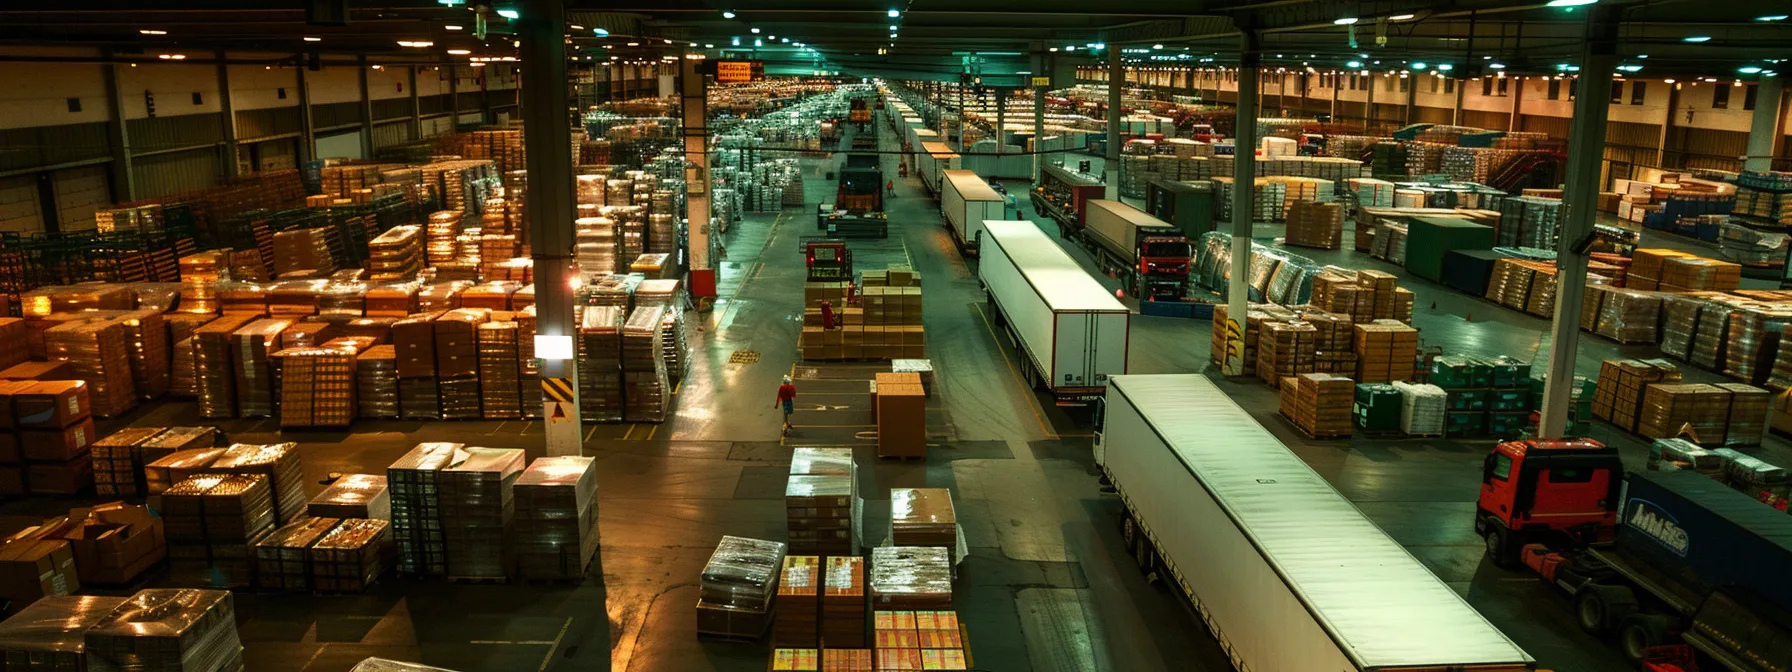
{"x":1599,"y":609}
{"x":1129,"y":532}
{"x":1641,"y":631}
{"x":1500,"y":547}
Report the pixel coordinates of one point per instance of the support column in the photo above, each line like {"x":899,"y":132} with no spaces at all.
{"x":1116,"y":82}
{"x":1667,"y":124}
{"x":1586,"y":138}
{"x":1764,"y":129}
{"x":1369,"y":118}
{"x":454,"y":99}
{"x":1412,"y":95}
{"x":366,"y":110}
{"x":1244,"y":183}
{"x":1038,"y":130}
{"x":485,"y":96}
{"x":961,"y":118}
{"x":1001,"y":120}
{"x":1335,"y":86}
{"x":307,"y":129}
{"x":1456,"y":115}
{"x":124,"y":186}
{"x":693,"y":92}
{"x":549,"y":200}
{"x":416,"y":106}
{"x":1517,"y":86}
{"x":227,"y":119}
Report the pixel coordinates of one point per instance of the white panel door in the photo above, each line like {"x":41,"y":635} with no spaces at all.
{"x":20,"y":208}
{"x":79,"y":192}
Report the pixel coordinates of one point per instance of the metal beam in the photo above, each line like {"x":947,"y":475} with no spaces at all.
{"x":366,"y":110}
{"x":416,"y":106}
{"x":227,"y":119}
{"x":549,"y":197}
{"x":307,"y":131}
{"x":123,"y":182}
{"x":1244,"y":184}
{"x":1586,"y":142}
{"x":454,"y":99}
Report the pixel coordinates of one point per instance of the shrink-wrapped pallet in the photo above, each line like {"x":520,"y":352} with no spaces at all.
{"x":351,"y":556}
{"x":908,"y":577}
{"x":1422,"y":408}
{"x":737,"y":585}
{"x":376,"y":382}
{"x":167,"y":629}
{"x":49,"y":635}
{"x":556,"y":518}
{"x":280,"y":463}
{"x":477,"y":502}
{"x":282,"y":561}
{"x":416,"y":507}
{"x":354,"y":496}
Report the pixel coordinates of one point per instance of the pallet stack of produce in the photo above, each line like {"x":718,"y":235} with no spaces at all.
{"x":821,"y":502}
{"x":376,"y":382}
{"x":919,"y":640}
{"x":99,"y":352}
{"x":499,"y":387}
{"x":738,"y":583}
{"x":600,"y":363}
{"x":926,"y":517}
{"x":416,"y":506}
{"x":1285,"y":349}
{"x":556,"y":518}
{"x":54,"y":439}
{"x":478,"y":507}
{"x":1316,"y":225}
{"x":1319,"y":404}
{"x":1671,"y":408}
{"x":645,"y":385}
{"x":166,"y":629}
{"x":797,"y":604}
{"x":350,"y":557}
{"x":1618,"y":395}
{"x":212,"y":523}
{"x":1385,"y":351}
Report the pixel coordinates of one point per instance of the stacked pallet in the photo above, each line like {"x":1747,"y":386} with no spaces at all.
{"x":645,"y":384}
{"x":251,"y":347}
{"x":821,"y":502}
{"x":146,"y":336}
{"x":477,"y":503}
{"x":556,"y":518}
{"x":317,"y":387}
{"x":1618,"y":395}
{"x":900,"y":408}
{"x":910,"y":578}
{"x":99,"y":352}
{"x":416,"y":508}
{"x":353,"y":496}
{"x":1748,"y":413}
{"x":396,"y":254}
{"x":414,"y":342}
{"x":499,"y":386}
{"x":1623,"y":315}
{"x":1285,"y":349}
{"x":1385,"y":351}
{"x":115,"y":460}
{"x":1422,"y":409}
{"x":1316,"y":225}
{"x":925,"y":517}
{"x":1320,"y":404}
{"x":843,"y":602}
{"x":282,"y":561}
{"x":376,"y":382}
{"x":797,"y":604}
{"x":350,"y":557}
{"x":600,"y":363}
{"x":1332,"y":341}
{"x":439,"y":234}
{"x":166,"y":629}
{"x":303,"y":251}
{"x":1690,"y":273}
{"x":212,"y":522}
{"x":738,"y":583}
{"x":279,"y":462}
{"x":163,"y":473}
{"x":1671,"y":408}
{"x":919,"y":640}
{"x":55,"y":433}
{"x":457,"y":361}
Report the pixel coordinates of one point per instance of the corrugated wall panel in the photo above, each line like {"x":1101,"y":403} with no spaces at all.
{"x":187,"y":130}
{"x":472,"y":100}
{"x":79,"y":192}
{"x":1432,"y":115}
{"x":392,"y":108}
{"x":252,"y":124}
{"x":386,"y":135}
{"x":20,"y":208}
{"x":22,"y":148}
{"x":435,"y":126}
{"x":175,"y":172}
{"x":433,"y":104}
{"x":1556,"y":127}
{"x":335,"y":114}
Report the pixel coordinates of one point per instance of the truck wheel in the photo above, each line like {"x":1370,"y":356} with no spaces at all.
{"x":1641,"y":631}
{"x":1499,"y":548}
{"x":1129,"y":532}
{"x":1599,"y":609}
{"x":1146,"y":554}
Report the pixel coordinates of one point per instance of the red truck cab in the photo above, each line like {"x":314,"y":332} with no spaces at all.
{"x":1534,"y":489}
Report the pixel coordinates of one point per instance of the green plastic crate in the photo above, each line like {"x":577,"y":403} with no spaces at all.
{"x":1466,"y":400}
{"x":1452,"y":371}
{"x":1377,"y":407}
{"x":1509,"y":372}
{"x":1465,"y":423}
{"x":1507,"y":425}
{"x":1510,"y":400}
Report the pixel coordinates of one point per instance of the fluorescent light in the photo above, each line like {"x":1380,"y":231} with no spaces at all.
{"x":1401,"y":17}
{"x":576,"y":27}
{"x":1630,"y":68}
{"x":1446,"y":67}
{"x":313,"y":39}
{"x":634,"y":44}
{"x":1157,"y":46}
{"x":785,"y":40}
{"x":1773,"y":17}
{"x":1697,"y":38}
{"x":1053,"y":49}
{"x":1344,"y":21}
{"x":1571,"y":3}
{"x":508,"y":13}
{"x":451,"y":27}
{"x":1642,"y":55}
{"x":1354,"y":64}
{"x":147,"y":31}
{"x":416,"y":44}
{"x":600,"y":32}
{"x":755,"y":31}
{"x":895,"y":13}
{"x":171,"y":57}
{"x":1749,"y":69}
{"x":1497,"y":66}
{"x":1418,"y":65}
{"x":727,"y":14}
{"x":709,"y":46}
{"x":736,"y":40}
{"x":458,"y":52}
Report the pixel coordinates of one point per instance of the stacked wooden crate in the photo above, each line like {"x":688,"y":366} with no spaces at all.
{"x":1320,"y":404}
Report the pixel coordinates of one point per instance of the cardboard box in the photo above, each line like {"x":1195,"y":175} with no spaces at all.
{"x":60,"y":478}
{"x":35,"y":568}
{"x":414,"y":342}
{"x":52,"y":404}
{"x":57,"y":370}
{"x":56,"y":445}
{"x":901,"y":420}
{"x":114,"y":543}
{"x":8,"y":390}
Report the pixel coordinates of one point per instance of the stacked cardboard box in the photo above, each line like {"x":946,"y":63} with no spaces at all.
{"x":416,"y":506}
{"x":843,"y":602}
{"x":353,"y":496}
{"x":1255,"y":317}
{"x":901,"y":411}
{"x":1285,"y":349}
{"x":457,"y":361}
{"x":279,"y":462}
{"x":212,"y":522}
{"x":282,"y":561}
{"x":646,"y":387}
{"x":736,"y":589}
{"x":797,"y":603}
{"x":47,"y":636}
{"x":800,"y":660}
{"x":167,"y":629}
{"x":1747,"y":416}
{"x":100,"y":354}
{"x":1646,"y":267}
{"x":600,"y":363}
{"x":906,"y":578}
{"x":1623,"y":315}
{"x":1316,"y":225}
{"x":821,"y":502}
{"x":376,"y":382}
{"x":919,"y":640}
{"x":498,"y":384}
{"x":163,"y":473}
{"x":556,"y":518}
{"x":925,"y":517}
{"x":34,"y":565}
{"x":254,"y":376}
{"x":317,"y":387}
{"x":1618,"y":395}
{"x":351,"y":556}
{"x":477,"y":507}
{"x":146,"y":335}
{"x":1690,"y":273}
{"x":1422,"y":409}
{"x":303,"y":250}
{"x":414,"y":343}
{"x":1385,"y":351}
{"x":54,"y":438}
{"x":1320,"y":404}
{"x":1669,"y":408}
{"x":1332,"y":347}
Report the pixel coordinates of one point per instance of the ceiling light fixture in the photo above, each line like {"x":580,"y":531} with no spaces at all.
{"x":895,"y":13}
{"x":1157,"y":46}
{"x":575,"y":26}
{"x":1697,"y":38}
{"x":709,"y":46}
{"x":416,"y":44}
{"x":147,"y":31}
{"x":1630,"y":68}
{"x":1773,"y":17}
{"x":727,"y":14}
{"x":634,"y":44}
{"x":451,"y":27}
{"x":1571,"y":3}
{"x":1446,"y":67}
{"x":1401,"y":17}
{"x":1053,"y":49}
{"x":508,"y":13}
{"x":312,"y":39}
{"x":1348,"y":20}
{"x":600,"y":32}
{"x":736,"y":41}
{"x":755,"y":31}
{"x":172,"y":57}
{"x":1420,"y":65}
{"x":1749,"y":69}
{"x":785,"y":40}
{"x":1497,"y":66}
{"x":458,"y":52}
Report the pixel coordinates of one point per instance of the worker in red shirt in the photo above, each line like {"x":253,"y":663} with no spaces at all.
{"x":827,"y":315}
{"x":892,"y":187}
{"x":787,"y":399}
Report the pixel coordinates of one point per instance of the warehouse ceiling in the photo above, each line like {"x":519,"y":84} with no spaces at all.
{"x":932,"y":38}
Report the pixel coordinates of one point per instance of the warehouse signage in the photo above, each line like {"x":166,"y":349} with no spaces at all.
{"x":739,"y":72}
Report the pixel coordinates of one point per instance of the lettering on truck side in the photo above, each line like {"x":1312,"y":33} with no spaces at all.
{"x":1659,"y":525}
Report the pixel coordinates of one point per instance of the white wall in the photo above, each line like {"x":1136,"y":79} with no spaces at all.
{"x":256,"y":87}
{"x":173,"y":85}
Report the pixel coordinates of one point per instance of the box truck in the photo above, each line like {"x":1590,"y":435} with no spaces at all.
{"x":1070,"y":333}
{"x":1147,"y":254}
{"x":1062,"y":194}
{"x":934,"y":158}
{"x":1285,"y":571}
{"x":965,"y":202}
{"x":1655,"y":558}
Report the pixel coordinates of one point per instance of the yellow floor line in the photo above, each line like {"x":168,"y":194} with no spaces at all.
{"x":651,"y":432}
{"x":1031,"y":403}
{"x":629,"y":435}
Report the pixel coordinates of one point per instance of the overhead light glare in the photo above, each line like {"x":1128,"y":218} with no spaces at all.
{"x":895,"y":13}
{"x":147,"y":31}
{"x":458,"y":52}
{"x":508,"y":13}
{"x":726,"y":14}
{"x":416,"y":44}
{"x":1571,"y":3}
{"x":1354,"y":64}
{"x":1418,"y":65}
{"x":1446,"y":67}
{"x":1401,"y":17}
{"x":1348,"y":20}
{"x":1157,"y":46}
{"x":634,"y":44}
{"x":312,"y":39}
{"x":1697,"y":38}
{"x":1630,"y":68}
{"x":1497,"y":66}
{"x":1773,"y":17}
{"x":172,"y":57}
{"x":755,"y":31}
{"x":451,"y":27}
{"x":1749,"y":69}
{"x":1053,"y":49}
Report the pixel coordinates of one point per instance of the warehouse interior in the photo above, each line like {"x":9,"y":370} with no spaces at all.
{"x":466,"y":335}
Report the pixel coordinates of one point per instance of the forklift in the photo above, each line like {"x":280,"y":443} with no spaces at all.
{"x":828,"y":260}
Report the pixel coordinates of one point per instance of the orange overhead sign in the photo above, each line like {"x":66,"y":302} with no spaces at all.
{"x":736,"y":72}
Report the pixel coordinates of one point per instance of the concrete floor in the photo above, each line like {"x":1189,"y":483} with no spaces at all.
{"x":1047,"y":586}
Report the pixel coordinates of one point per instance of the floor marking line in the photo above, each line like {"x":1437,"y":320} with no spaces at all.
{"x":1032,"y":404}
{"x":554,"y":646}
{"x":629,"y":435}
{"x":651,"y":432}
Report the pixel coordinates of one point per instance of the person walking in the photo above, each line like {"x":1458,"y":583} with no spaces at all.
{"x":787,"y":399}
{"x":827,"y":315}
{"x":891,"y":187}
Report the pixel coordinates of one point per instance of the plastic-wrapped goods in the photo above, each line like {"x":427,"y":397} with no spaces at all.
{"x":1751,"y":475}
{"x":477,"y":507}
{"x":250,"y":348}
{"x":353,"y":496}
{"x":416,"y":509}
{"x":737,"y":586}
{"x":165,"y":472}
{"x":376,"y":382}
{"x":926,"y":517}
{"x":1685,"y":455}
{"x":822,"y":508}
{"x":645,"y":382}
{"x":1747,"y":415}
{"x":99,"y":351}
{"x":167,"y":630}
{"x":528,"y":369}
{"x":556,"y":518}
{"x":499,"y":388}
{"x":281,"y":558}
{"x":1422,"y":408}
{"x":1680,"y":320}
{"x":910,"y":577}
{"x":49,"y":634}
{"x":147,"y":339}
{"x":317,"y":387}
{"x":1711,"y":341}
{"x":351,"y":556}
{"x":384,"y":665}
{"x":115,"y":462}
{"x":280,"y":463}
{"x":303,"y":250}
{"x":1753,"y":340}
{"x":1627,"y":315}
{"x":391,"y":300}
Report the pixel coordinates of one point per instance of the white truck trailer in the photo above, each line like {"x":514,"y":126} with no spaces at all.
{"x":1071,"y":334}
{"x":1285,"y":571}
{"x":965,"y":202}
{"x":936,"y":157}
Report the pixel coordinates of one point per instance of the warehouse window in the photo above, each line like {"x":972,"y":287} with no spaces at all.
{"x":280,"y":93}
{"x":1503,"y":83}
{"x":74,"y":104}
{"x":1449,"y":85}
{"x":1405,"y":84}
{"x":1502,"y":467}
{"x":1618,"y":93}
{"x":1748,"y":97}
{"x":1390,"y":86}
{"x":1487,"y":87}
{"x":1720,"y":97}
{"x":1638,"y":92}
{"x":1555,"y":89}
{"x":197,"y":100}
{"x":1434,"y":84}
